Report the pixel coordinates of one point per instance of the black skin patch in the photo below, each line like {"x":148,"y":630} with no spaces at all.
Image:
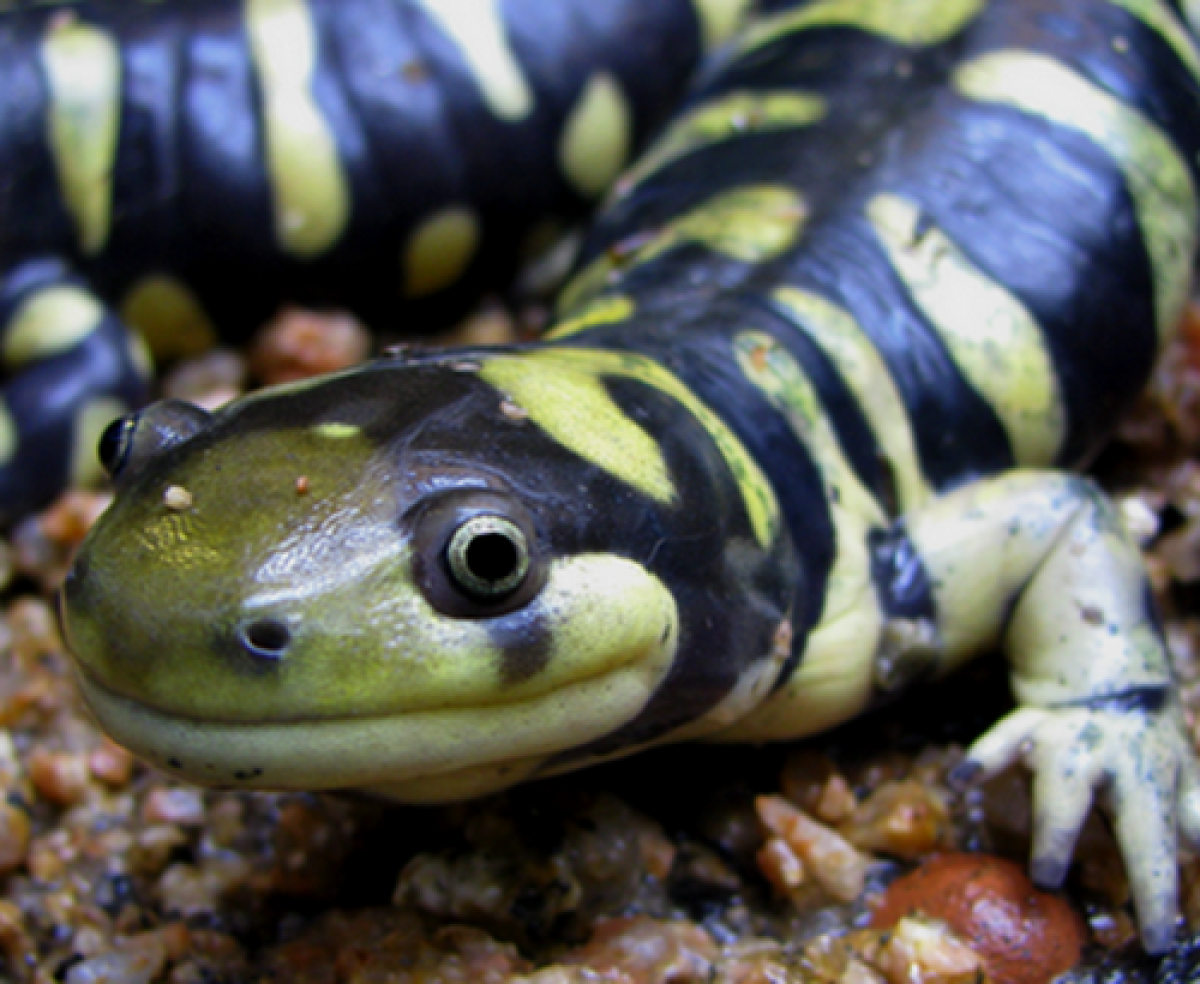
{"x":899,"y":575}
{"x":525,"y":645}
{"x":244,"y":775}
{"x":1147,"y":699}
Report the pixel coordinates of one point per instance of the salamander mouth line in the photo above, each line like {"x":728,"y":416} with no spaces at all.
{"x":347,"y":752}
{"x":90,"y":683}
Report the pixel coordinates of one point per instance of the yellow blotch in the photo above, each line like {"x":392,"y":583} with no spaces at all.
{"x":732,"y":115}
{"x":311,"y":198}
{"x":571,"y":403}
{"x":337,"y":431}
{"x":752,"y":224}
{"x":477,"y":28}
{"x":1156,"y":175}
{"x":169,"y":317}
{"x":83,"y":71}
{"x":909,"y":22}
{"x":991,"y":336}
{"x":539,"y":373}
{"x":719,"y":19}
{"x":8,"y":435}
{"x":596,"y":136}
{"x":835,"y":331}
{"x":610,"y":310}
{"x":50,"y":322}
{"x":89,"y":425}
{"x":439,"y":251}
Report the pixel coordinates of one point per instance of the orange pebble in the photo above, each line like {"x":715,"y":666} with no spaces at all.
{"x":1025,"y":936}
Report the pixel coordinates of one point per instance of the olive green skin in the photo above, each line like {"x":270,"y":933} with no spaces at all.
{"x":308,"y":531}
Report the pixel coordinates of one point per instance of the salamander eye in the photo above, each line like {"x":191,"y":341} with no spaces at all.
{"x":488,"y":557}
{"x":477,"y":554}
{"x":129,"y":442}
{"x":115,"y":443}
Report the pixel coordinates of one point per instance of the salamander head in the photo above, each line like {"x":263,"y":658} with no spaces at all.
{"x":382,"y":576}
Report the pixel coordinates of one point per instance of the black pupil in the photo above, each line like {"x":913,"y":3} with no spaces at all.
{"x":492,"y":557}
{"x":112,"y":444}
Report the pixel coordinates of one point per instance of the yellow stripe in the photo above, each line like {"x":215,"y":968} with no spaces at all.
{"x":834,"y":330}
{"x":991,"y":336}
{"x":909,"y":22}
{"x":476,"y":27}
{"x":83,"y":70}
{"x":169,"y":316}
{"x":596,"y":136}
{"x":719,"y":19}
{"x":1157,"y":177}
{"x":771,"y":368}
{"x":567,"y":398}
{"x":752,"y":224}
{"x":563,"y":393}
{"x":1158,"y":17}
{"x":833,"y":681}
{"x":735,"y":114}
{"x":48,"y":323}
{"x":311,"y":197}
{"x":610,"y":310}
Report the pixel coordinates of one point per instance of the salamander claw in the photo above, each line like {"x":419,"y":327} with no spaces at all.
{"x":1136,"y":758}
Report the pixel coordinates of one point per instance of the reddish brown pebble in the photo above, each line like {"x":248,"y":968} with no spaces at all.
{"x":832,"y":861}
{"x":15,"y":833}
{"x":300,"y":344}
{"x":110,"y":763}
{"x":905,"y":819}
{"x":72,"y":515}
{"x":1025,"y":936}
{"x":61,"y":778}
{"x":302,"y":485}
{"x":658,"y":852}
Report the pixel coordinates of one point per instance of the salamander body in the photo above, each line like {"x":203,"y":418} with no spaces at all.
{"x":192,"y":164}
{"x":796,"y":442}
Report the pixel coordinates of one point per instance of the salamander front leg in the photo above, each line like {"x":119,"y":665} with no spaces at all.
{"x":70,"y":368}
{"x":1040,"y":563}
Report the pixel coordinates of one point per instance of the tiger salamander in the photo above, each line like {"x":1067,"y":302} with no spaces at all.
{"x":181,"y":167}
{"x":796,"y":442}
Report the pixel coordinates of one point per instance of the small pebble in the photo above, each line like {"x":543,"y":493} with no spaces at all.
{"x":1025,"y":936}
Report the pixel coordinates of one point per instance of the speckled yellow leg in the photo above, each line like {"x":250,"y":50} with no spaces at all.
{"x":1039,"y":563}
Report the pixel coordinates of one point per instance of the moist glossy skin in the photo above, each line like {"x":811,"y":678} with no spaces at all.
{"x":319,"y":595}
{"x":795,"y":444}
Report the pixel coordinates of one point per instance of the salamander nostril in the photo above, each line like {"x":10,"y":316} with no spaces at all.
{"x":267,"y":638}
